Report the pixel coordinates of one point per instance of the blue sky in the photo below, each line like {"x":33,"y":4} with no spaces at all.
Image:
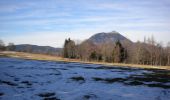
{"x":49,"y":22}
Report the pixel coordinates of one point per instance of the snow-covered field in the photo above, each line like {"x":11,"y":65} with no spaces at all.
{"x":46,"y":80}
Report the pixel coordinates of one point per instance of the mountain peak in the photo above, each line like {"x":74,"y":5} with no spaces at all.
{"x":105,"y":37}
{"x":114,"y":32}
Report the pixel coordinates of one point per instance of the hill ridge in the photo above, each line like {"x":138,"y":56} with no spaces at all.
{"x":105,"y":37}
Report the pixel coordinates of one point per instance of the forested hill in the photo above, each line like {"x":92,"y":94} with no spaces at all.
{"x":113,"y":47}
{"x":37,"y":49}
{"x":101,"y":38}
{"x":105,"y":47}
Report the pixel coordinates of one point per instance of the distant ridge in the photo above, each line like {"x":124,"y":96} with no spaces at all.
{"x":104,"y":37}
{"x":99,"y":38}
{"x":37,"y":49}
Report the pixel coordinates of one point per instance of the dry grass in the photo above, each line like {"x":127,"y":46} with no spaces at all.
{"x":55,"y":58}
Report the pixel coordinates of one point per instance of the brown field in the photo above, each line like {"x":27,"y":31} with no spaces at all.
{"x":56,"y":58}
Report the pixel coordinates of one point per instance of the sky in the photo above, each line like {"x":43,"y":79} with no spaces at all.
{"x":50,"y":22}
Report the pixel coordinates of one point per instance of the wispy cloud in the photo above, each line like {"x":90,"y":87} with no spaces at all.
{"x":19,"y":18}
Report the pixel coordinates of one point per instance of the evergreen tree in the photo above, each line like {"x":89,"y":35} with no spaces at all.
{"x":65,"y":53}
{"x":69,"y":50}
{"x":120,"y":53}
{"x":93,"y":55}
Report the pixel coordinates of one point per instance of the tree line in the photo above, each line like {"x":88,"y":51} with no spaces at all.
{"x":30,"y":49}
{"x":10,"y":47}
{"x":148,"y":52}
